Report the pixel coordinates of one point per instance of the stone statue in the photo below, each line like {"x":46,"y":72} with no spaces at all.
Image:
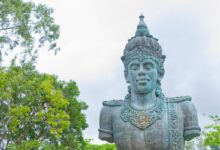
{"x":146,"y":119}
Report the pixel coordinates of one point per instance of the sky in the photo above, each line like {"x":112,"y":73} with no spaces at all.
{"x":94,"y":34}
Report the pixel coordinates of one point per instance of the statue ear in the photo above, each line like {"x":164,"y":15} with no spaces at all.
{"x":161,"y":73}
{"x":126,"y":76}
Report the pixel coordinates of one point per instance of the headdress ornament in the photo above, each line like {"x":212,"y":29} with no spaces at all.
{"x":143,"y":44}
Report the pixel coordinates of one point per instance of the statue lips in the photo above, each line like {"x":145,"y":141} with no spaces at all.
{"x":143,"y":81}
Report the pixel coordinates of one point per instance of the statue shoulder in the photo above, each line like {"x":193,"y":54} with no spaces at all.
{"x":184,"y":102}
{"x":178,"y":99}
{"x":113,"y":103}
{"x":109,"y":107}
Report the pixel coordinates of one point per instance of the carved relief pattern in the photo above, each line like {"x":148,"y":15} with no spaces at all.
{"x":143,"y":118}
{"x":175,"y":141}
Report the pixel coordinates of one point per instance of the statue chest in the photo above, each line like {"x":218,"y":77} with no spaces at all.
{"x":129,"y":137}
{"x":162,"y":134}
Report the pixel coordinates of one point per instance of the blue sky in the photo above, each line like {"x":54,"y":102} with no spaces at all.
{"x":94,"y":34}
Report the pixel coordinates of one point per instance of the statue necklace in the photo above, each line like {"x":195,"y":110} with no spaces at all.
{"x":145,"y":117}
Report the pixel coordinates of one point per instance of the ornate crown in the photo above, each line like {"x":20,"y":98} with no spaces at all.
{"x":143,"y":44}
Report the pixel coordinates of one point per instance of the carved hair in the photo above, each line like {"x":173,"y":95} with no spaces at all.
{"x":159,"y":92}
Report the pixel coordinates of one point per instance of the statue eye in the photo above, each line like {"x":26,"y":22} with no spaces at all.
{"x":148,"y":66}
{"x":134,"y":66}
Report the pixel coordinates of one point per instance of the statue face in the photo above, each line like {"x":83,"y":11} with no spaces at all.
{"x":142,"y":75}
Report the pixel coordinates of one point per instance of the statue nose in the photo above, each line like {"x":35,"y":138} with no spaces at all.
{"x":141,"y":72}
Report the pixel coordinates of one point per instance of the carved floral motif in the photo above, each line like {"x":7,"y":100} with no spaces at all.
{"x":143,"y":118}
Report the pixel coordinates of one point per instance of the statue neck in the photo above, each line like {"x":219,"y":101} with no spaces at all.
{"x":143,"y":101}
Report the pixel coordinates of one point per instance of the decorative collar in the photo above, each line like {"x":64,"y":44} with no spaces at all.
{"x":142,"y":118}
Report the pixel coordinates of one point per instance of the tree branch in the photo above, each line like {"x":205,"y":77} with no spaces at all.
{"x":13,"y":27}
{"x":8,"y":28}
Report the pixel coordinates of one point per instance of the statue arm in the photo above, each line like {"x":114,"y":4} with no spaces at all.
{"x":191,"y":127}
{"x":105,"y":125}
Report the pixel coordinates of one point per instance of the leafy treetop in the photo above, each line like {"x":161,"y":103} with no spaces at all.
{"x":37,"y":109}
{"x":28,"y":26}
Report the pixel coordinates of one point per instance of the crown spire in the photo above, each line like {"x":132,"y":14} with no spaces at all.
{"x":142,"y":29}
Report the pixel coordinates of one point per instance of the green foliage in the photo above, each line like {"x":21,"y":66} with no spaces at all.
{"x":39,"y":111}
{"x":90,"y":146}
{"x":212,"y":132}
{"x":26,"y":25}
{"x":31,"y":144}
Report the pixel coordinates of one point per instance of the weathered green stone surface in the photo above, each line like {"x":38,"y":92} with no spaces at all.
{"x":146,"y":119}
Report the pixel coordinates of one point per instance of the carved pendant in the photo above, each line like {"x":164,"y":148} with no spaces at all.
{"x":143,"y":118}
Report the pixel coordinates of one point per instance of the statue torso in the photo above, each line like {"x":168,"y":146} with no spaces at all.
{"x":129,"y":137}
{"x":165,"y":133}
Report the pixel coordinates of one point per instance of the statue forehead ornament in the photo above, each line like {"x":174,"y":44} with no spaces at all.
{"x":143,"y":45}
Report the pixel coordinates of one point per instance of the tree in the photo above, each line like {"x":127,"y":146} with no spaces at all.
{"x":28,"y":26}
{"x":39,"y":111}
{"x":90,"y":146}
{"x":212,"y":132}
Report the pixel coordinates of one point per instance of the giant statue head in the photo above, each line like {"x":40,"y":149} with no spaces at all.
{"x":143,"y":62}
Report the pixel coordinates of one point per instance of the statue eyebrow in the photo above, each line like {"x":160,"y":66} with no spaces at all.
{"x":149,"y":62}
{"x":133,"y":63}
